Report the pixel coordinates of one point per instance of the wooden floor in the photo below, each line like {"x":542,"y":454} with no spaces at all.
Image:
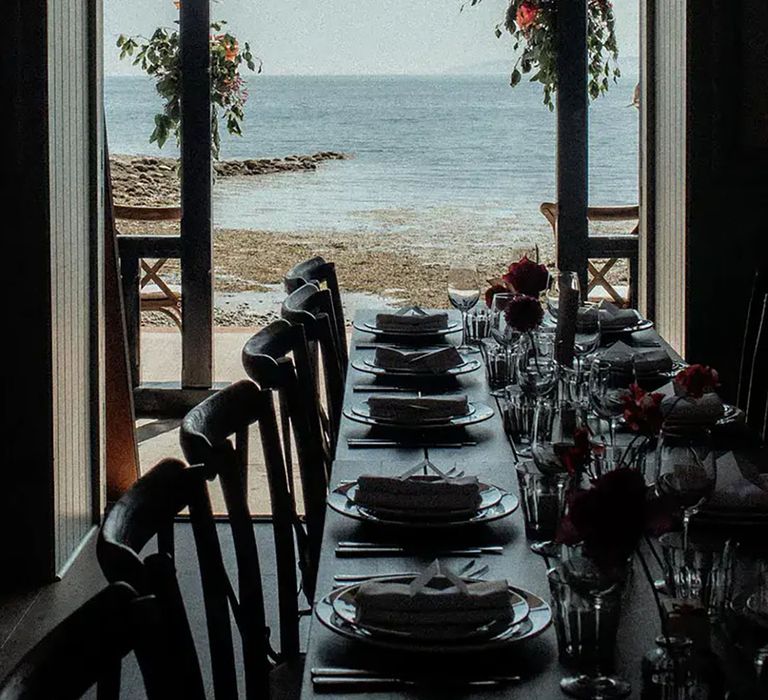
{"x":161,"y":361}
{"x":26,"y":618}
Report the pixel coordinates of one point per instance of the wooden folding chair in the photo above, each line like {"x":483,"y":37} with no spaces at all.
{"x":610,"y":247}
{"x":154,"y":292}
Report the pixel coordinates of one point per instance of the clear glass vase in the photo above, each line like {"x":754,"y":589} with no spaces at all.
{"x":586,"y":610}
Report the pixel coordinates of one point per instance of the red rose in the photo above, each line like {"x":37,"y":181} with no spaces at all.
{"x":492,"y":291}
{"x":642,"y":410}
{"x":610,"y":517}
{"x":526,"y":14}
{"x":527,"y":277}
{"x":696,"y":380}
{"x":523,"y":313}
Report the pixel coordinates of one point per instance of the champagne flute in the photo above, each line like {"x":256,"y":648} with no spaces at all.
{"x":463,"y":293}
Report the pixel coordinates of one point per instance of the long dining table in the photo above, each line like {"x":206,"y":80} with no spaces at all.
{"x":534,"y":661}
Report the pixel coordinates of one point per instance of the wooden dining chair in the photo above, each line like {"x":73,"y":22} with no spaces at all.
{"x":205,"y":439}
{"x":610,"y":247}
{"x":88,"y":647}
{"x":277,"y":358}
{"x":752,"y":395}
{"x":322,"y":273}
{"x":312,"y":308}
{"x":138,"y":517}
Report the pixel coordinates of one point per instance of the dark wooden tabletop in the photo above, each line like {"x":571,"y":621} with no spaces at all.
{"x":492,"y":459}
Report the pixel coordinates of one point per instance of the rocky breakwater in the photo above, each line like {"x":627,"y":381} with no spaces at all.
{"x":154,"y":181}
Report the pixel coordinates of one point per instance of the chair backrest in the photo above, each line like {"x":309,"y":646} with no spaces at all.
{"x":277,"y":358}
{"x":205,"y":439}
{"x":319,"y":271}
{"x":88,"y":647}
{"x":312,"y":308}
{"x":626,"y":212}
{"x":752,"y":396}
{"x":142,"y":513}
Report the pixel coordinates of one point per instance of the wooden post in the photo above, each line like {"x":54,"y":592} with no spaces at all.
{"x":572,"y":138}
{"x":196,"y":221}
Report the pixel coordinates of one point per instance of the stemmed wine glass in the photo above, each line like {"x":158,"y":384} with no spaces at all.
{"x":463,"y":293}
{"x":686,"y":469}
{"x":559,"y":281}
{"x":607,"y":387}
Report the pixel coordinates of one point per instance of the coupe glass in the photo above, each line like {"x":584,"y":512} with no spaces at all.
{"x":686,"y":469}
{"x":463,"y":293}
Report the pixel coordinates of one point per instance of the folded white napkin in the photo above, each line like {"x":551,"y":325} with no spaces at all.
{"x":437,"y":604}
{"x":645,"y":360}
{"x":739,"y":486}
{"x":405,"y":409}
{"x":417,"y":493}
{"x":412,"y":319}
{"x":612,"y":318}
{"x":430,"y":361}
{"x":706,"y":410}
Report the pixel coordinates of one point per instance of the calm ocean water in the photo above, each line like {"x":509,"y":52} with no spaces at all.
{"x":464,"y":155}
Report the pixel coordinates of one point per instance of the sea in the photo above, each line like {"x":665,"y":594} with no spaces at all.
{"x":466,"y":155}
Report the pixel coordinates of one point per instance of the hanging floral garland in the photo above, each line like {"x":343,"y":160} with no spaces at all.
{"x":533,"y":26}
{"x":159,"y":58}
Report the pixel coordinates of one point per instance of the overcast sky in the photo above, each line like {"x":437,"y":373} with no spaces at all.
{"x":349,"y":36}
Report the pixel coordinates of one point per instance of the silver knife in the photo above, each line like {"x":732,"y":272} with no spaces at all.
{"x":374,"y":442}
{"x":349,"y":552}
{"x":486,"y":549}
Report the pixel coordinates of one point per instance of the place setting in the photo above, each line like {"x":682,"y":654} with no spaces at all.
{"x":434,"y":611}
{"x":421,"y":497}
{"x":412,"y":322}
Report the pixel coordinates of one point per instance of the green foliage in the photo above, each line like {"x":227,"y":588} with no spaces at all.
{"x":159,"y":58}
{"x":533,"y":27}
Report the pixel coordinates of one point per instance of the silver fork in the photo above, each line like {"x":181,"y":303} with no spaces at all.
{"x":465,"y":571}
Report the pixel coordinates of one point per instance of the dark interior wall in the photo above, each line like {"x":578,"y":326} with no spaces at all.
{"x":26,"y":517}
{"x":727,"y":207}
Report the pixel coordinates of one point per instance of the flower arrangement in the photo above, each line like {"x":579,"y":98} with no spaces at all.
{"x":524,"y":277}
{"x":523,"y":313}
{"x":642,"y":411}
{"x":533,"y":26}
{"x":159,"y":57}
{"x":611,"y":516}
{"x":695,"y":381}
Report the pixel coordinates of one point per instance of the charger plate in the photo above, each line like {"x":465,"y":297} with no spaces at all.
{"x":367,"y":327}
{"x":345,"y":606}
{"x":477,"y":413}
{"x":371,"y":368}
{"x":339,"y":500}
